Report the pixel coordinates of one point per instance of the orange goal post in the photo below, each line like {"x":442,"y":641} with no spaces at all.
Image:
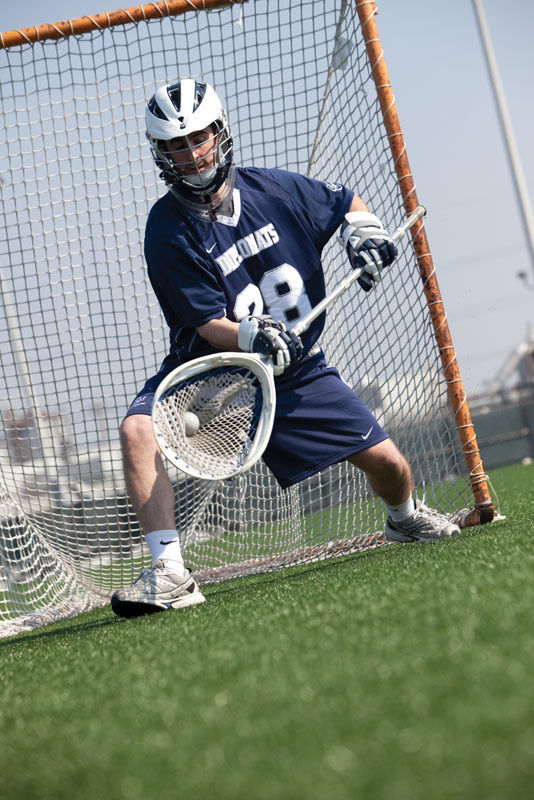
{"x":307,"y":89}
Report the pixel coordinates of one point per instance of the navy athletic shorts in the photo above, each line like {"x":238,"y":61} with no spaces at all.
{"x":319,"y":420}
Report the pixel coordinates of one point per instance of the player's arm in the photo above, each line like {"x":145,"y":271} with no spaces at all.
{"x":369,"y":246}
{"x":255,"y":335}
{"x":357,"y":204}
{"x":221,"y":333}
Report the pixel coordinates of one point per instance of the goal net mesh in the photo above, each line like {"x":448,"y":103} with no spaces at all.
{"x":80,"y":328}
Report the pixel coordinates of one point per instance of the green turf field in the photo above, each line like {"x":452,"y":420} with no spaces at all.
{"x":403,"y":673}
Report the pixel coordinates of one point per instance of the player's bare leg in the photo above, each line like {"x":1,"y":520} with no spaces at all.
{"x":387,"y":471}
{"x":147,"y":483}
{"x":390,"y":478}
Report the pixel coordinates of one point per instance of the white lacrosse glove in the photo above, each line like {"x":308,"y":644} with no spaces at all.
{"x":265,"y":336}
{"x":369,"y":246}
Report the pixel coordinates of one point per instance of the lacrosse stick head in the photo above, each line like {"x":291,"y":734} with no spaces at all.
{"x":213,"y":416}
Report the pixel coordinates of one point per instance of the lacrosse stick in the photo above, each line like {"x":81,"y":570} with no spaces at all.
{"x":213,"y":416}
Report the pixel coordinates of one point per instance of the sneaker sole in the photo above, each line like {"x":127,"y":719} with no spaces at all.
{"x":132,"y":608}
{"x":397,"y":536}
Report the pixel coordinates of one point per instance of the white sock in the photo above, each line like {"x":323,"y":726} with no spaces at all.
{"x":401,"y":512}
{"x":165,"y":544}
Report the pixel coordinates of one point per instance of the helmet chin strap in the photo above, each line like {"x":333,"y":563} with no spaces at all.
{"x":209,"y":206}
{"x":201,"y":179}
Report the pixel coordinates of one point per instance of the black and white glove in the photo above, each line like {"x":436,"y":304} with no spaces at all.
{"x":265,"y":336}
{"x":369,"y":247}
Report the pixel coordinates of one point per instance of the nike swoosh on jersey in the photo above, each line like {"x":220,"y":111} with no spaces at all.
{"x":210,"y":249}
{"x":169,"y":542}
{"x":368,"y":433}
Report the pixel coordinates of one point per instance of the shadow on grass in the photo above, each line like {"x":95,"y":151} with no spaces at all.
{"x":75,"y":626}
{"x":228,"y":588}
{"x":48,"y":632}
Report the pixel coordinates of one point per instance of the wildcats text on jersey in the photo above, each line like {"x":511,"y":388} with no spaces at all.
{"x":246,"y":247}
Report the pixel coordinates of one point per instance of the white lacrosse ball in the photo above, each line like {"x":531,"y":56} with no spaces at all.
{"x":191,"y":423}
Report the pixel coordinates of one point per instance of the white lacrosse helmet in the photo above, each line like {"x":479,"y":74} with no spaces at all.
{"x":179,"y":110}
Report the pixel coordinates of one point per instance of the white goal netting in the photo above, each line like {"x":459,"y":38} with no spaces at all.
{"x":80,"y":328}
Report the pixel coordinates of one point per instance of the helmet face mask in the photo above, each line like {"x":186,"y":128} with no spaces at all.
{"x":191,"y":143}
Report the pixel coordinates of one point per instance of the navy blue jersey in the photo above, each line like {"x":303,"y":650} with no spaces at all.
{"x":265,"y":259}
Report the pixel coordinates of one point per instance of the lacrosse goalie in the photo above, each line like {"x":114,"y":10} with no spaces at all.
{"x":234,"y":258}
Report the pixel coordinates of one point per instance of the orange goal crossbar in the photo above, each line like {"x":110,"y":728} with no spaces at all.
{"x":484,"y":510}
{"x":71,"y":27}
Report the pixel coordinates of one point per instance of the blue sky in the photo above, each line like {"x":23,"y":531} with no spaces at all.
{"x":457,"y":154}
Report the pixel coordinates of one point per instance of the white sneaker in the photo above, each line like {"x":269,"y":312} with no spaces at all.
{"x":156,"y":589}
{"x":426,"y":525}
